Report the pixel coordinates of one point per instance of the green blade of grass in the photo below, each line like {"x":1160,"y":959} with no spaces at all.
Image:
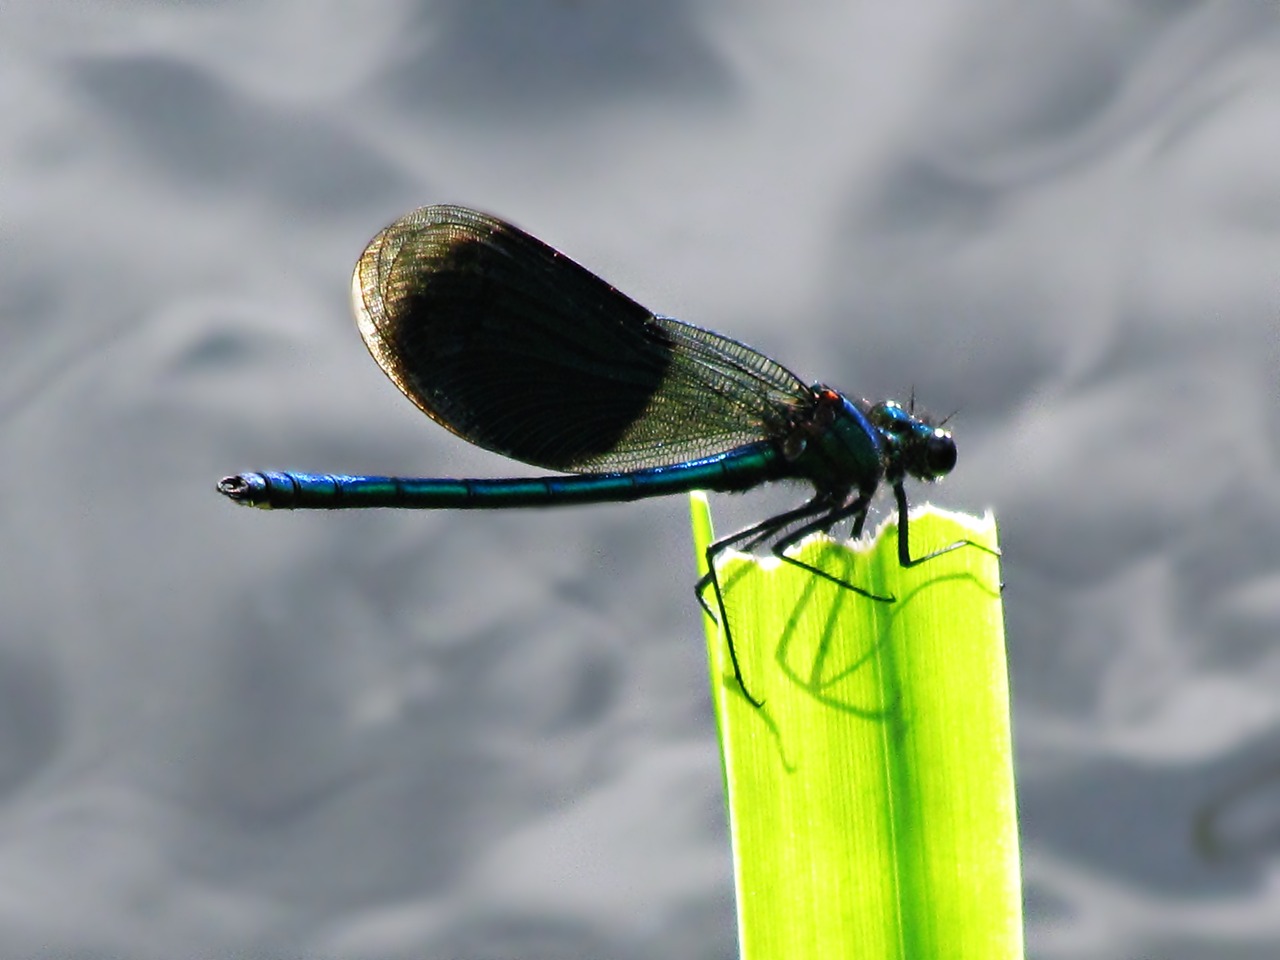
{"x":870,"y":800}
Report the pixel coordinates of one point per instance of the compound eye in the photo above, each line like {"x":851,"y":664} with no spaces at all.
{"x":939,"y":453}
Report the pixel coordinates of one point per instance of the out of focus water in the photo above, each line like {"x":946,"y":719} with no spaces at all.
{"x":231,"y":733}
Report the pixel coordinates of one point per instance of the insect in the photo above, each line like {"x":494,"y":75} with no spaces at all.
{"x":514,"y":347}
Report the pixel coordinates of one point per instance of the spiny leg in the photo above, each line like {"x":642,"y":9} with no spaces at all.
{"x":858,"y":509}
{"x":751,"y":536}
{"x":748,"y":539}
{"x":904,"y":545}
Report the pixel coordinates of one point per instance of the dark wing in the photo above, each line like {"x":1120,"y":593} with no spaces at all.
{"x":516,"y":348}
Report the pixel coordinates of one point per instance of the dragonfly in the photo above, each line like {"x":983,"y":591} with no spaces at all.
{"x":516,"y":348}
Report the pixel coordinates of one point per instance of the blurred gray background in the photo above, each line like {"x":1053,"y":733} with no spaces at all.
{"x":225,"y":732}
